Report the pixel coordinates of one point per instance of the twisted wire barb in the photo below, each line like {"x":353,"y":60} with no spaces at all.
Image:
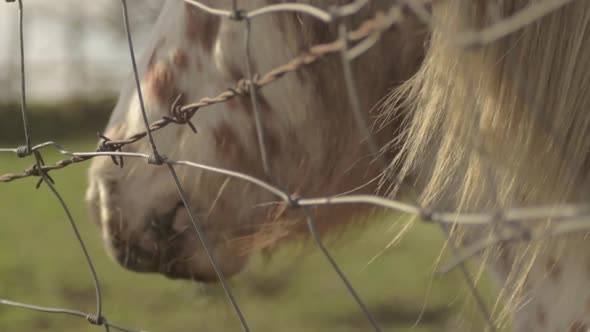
{"x":290,"y":201}
{"x":37,"y":168}
{"x":39,"y":162}
{"x":561,"y":213}
{"x":148,"y":131}
{"x":91,"y":318}
{"x":156,"y":159}
{"x":572,"y":217}
{"x":184,"y":114}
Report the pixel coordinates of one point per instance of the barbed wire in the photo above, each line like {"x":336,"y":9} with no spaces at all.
{"x":571,"y":217}
{"x":183,"y":114}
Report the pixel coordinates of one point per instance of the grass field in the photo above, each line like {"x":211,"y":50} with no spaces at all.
{"x":41,"y":263}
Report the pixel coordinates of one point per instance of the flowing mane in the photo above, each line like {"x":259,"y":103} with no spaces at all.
{"x":471,"y":119}
{"x":505,"y":124}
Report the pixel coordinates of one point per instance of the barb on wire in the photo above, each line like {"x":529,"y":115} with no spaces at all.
{"x":574,"y":217}
{"x":266,"y":167}
{"x":515,"y":215}
{"x":372,"y":26}
{"x":38,"y":170}
{"x":89,"y":317}
{"x":49,"y":183}
{"x":571,"y":217}
{"x":138,"y":85}
{"x":156,"y":159}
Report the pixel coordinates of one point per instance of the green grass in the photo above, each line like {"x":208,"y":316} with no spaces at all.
{"x":41,"y":263}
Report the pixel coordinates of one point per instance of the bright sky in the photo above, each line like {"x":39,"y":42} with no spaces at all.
{"x":51,"y":46}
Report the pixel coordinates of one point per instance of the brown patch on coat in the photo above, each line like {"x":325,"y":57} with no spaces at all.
{"x":553,"y":268}
{"x":225,"y":139}
{"x":153,"y":56}
{"x":541,"y":316}
{"x":240,"y":104}
{"x":233,"y":151}
{"x":263,"y":105}
{"x":272,"y":138}
{"x":201,"y":28}
{"x":161,"y":82}
{"x":244,"y":103}
{"x":179,"y":100}
{"x":235,"y":73}
{"x":180,"y":59}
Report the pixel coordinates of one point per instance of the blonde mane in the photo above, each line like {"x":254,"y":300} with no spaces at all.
{"x":483,"y":122}
{"x":500,"y":125}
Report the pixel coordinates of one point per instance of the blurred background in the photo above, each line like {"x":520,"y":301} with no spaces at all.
{"x":73,"y":48}
{"x":76,"y":60}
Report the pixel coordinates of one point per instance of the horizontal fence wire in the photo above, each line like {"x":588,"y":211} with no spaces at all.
{"x":350,"y":44}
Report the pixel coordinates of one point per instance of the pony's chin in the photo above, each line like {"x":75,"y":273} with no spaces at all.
{"x":175,"y":261}
{"x":165,"y":242}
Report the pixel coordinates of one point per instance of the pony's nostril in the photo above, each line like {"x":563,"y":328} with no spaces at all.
{"x":162,"y":225}
{"x":136,"y":258}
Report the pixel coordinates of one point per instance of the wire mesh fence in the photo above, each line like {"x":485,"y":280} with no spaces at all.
{"x":350,"y":45}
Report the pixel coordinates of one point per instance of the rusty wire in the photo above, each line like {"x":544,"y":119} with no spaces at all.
{"x":184,"y":113}
{"x":572,"y":217}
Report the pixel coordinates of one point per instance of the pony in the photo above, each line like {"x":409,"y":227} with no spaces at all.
{"x":475,"y":106}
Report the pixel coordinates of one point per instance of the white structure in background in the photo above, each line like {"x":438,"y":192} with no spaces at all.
{"x":73,"y":48}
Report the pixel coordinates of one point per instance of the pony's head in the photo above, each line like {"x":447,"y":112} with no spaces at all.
{"x":313,"y":144}
{"x":499,"y":120}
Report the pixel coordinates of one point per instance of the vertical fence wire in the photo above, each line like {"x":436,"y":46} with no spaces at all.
{"x":136,"y":79}
{"x":26,"y":127}
{"x":574,"y":217}
{"x":156,"y":159}
{"x":308,"y":216}
{"x":96,"y":319}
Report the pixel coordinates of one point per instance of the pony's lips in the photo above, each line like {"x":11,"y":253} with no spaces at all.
{"x":152,"y":244}
{"x":166,"y":243}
